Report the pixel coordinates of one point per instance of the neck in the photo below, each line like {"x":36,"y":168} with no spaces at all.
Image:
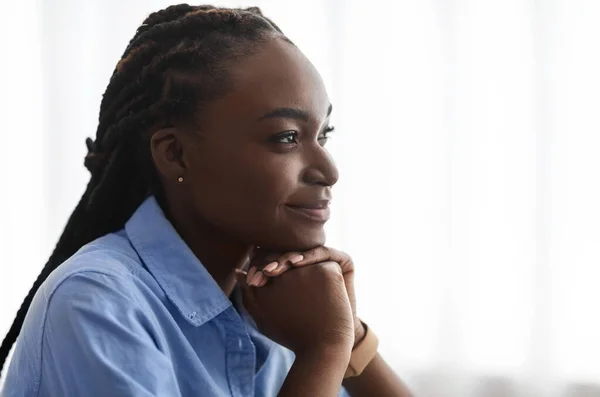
{"x":219,"y":253}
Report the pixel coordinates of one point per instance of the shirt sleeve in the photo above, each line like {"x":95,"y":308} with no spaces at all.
{"x":99,"y":341}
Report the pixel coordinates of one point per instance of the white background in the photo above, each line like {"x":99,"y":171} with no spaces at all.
{"x":467,"y":138}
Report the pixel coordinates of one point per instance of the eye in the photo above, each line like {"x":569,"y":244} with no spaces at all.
{"x":287,"y":137}
{"x":325,"y":136}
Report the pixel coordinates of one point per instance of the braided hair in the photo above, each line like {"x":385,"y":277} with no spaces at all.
{"x":176,"y":61}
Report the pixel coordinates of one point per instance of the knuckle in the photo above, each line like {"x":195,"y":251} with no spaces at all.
{"x":285,"y":257}
{"x":282,"y":269}
{"x":349,"y":263}
{"x":335,"y":253}
{"x":331,"y":268}
{"x":317,"y":254}
{"x":323,"y":251}
{"x":342,"y":258}
{"x":327,"y":270}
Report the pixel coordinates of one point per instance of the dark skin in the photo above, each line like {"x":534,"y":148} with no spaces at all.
{"x":240,"y":156}
{"x":243,"y":171}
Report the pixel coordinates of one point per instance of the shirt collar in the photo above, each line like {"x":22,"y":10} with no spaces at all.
{"x":185,"y":281}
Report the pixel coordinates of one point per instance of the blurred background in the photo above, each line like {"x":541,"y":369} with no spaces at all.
{"x":467,"y":135}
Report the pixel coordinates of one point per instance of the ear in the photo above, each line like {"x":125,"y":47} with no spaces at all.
{"x":168,"y":154}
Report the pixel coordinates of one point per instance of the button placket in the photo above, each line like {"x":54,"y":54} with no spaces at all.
{"x":241,"y":354}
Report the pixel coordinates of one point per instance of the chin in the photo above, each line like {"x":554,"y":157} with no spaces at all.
{"x":307,"y":244}
{"x":304,"y":240}
{"x":298,"y":239}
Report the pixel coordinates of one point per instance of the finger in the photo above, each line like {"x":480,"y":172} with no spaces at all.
{"x":324,"y":254}
{"x":260,"y":257}
{"x":248,"y":297}
{"x":282,"y":264}
{"x":259,"y":279}
{"x":255,"y":277}
{"x":250,"y":275}
{"x":315,"y":255}
{"x":260,"y":253}
{"x":342,"y":258}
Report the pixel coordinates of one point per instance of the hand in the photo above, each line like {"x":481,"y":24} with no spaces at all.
{"x":304,"y":310}
{"x":275,"y":264}
{"x":267,"y":269}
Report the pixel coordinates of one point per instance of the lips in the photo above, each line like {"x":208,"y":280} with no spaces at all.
{"x":316,"y":211}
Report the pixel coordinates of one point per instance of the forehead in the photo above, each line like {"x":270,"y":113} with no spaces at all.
{"x":277,"y":75}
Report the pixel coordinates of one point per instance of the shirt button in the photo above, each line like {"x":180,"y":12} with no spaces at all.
{"x":240,"y":343}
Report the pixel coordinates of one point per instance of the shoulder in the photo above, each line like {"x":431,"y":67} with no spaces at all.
{"x":103,"y":276}
{"x":101,"y":287}
{"x":104,"y":270}
{"x":106,"y":265}
{"x":110,"y":254}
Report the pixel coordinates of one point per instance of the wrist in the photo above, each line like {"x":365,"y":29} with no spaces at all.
{"x":317,"y":371}
{"x":362,"y":353}
{"x":327,"y":352}
{"x":359,"y":332}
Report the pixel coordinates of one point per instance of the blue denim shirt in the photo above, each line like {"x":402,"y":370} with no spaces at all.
{"x":135,"y":313}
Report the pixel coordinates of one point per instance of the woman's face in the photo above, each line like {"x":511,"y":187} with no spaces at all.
{"x":258,"y":170}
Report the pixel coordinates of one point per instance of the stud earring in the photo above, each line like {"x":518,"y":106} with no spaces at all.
{"x":180,"y":179}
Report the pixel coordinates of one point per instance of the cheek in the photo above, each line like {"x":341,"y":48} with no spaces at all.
{"x":244,"y":198}
{"x":242,"y":192}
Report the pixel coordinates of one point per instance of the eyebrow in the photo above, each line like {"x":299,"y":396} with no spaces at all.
{"x":291,"y":113}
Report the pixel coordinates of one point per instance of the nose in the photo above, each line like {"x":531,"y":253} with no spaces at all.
{"x":321,"y":169}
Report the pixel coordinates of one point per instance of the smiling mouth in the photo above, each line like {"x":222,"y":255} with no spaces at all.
{"x":312,"y":214}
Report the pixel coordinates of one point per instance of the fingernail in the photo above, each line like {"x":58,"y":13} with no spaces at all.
{"x":250,"y":275}
{"x":270,"y":267}
{"x":263,"y":281}
{"x":256,"y":279}
{"x":295,"y":259}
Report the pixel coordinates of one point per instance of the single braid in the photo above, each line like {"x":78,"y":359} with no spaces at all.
{"x":176,"y":61}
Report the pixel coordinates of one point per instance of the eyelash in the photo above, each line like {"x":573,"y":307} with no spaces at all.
{"x":326,"y":133}
{"x":294,"y":135}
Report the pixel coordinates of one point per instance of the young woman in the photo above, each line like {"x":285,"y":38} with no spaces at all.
{"x":208,"y":162}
